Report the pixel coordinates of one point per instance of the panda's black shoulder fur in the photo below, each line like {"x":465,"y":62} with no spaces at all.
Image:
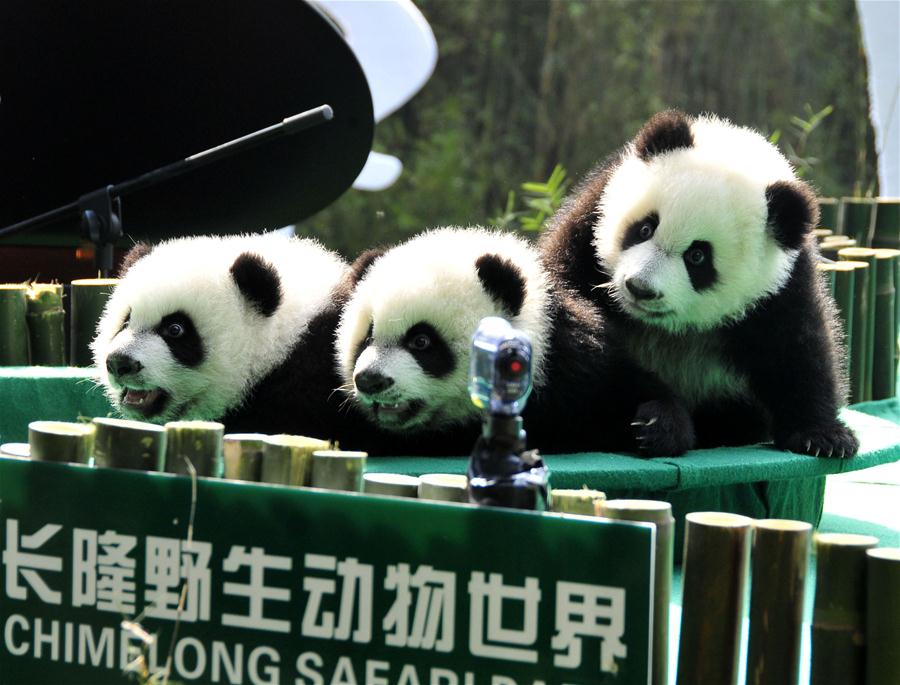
{"x":279,"y":403}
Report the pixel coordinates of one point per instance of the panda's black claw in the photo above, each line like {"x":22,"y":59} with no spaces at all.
{"x":663,"y":428}
{"x":832,"y":440}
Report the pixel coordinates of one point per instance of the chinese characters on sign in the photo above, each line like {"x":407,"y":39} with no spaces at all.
{"x":338,"y":597}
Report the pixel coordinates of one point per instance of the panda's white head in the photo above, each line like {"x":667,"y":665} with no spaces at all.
{"x":699,"y":219}
{"x":194,"y":323}
{"x":404,"y":339}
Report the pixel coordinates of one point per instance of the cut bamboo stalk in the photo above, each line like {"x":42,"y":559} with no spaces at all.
{"x":844,"y":280}
{"x":13,"y":325}
{"x":868,"y":255}
{"x":858,"y":331}
{"x":822,"y":233}
{"x":17,"y":450}
{"x":887,"y":223}
{"x":61,"y":441}
{"x":828,"y":273}
{"x":583,"y":502}
{"x":714,"y":574}
{"x":243,"y":456}
{"x":47,"y":324}
{"x":828,"y":213}
{"x":884,"y":364}
{"x":659,"y":513}
{"x":124,"y":444}
{"x":838,"y":624}
{"x":883,"y":617}
{"x":778,"y":581}
{"x":856,"y":218}
{"x":288,"y":459}
{"x":199,"y":442}
{"x":830,"y":247}
{"x":88,"y":298}
{"x":391,"y":484}
{"x":338,"y":470}
{"x":444,"y":487}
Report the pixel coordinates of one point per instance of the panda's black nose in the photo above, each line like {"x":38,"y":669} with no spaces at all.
{"x":641,"y":290}
{"x":122,"y":365}
{"x":372,"y":382}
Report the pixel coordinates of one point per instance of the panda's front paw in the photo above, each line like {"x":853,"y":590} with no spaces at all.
{"x":833,"y":440}
{"x":663,"y":429}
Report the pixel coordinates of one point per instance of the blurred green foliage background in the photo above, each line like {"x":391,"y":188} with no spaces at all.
{"x":523,"y":85}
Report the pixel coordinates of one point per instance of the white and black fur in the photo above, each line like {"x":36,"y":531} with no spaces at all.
{"x":405,"y":337}
{"x":695,"y":242}
{"x":238,"y":329}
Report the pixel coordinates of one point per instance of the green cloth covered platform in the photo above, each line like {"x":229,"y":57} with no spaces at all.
{"x":755,"y":480}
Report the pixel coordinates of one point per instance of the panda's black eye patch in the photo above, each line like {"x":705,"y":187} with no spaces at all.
{"x":429,"y":349}
{"x":640,"y":231}
{"x":698,"y":259}
{"x":181,"y":336}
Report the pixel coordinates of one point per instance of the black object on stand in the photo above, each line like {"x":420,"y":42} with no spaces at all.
{"x":501,"y":471}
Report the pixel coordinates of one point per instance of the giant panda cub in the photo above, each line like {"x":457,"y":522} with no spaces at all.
{"x":695,"y":242}
{"x":238,"y":329}
{"x":404,"y":341}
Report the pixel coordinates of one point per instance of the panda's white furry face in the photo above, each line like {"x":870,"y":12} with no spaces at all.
{"x":684,"y":235}
{"x":197,"y":321}
{"x":404,"y":340}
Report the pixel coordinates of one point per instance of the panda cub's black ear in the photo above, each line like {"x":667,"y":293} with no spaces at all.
{"x":666,"y":131}
{"x":362,"y":263}
{"x":138,"y":251}
{"x":503,"y":281}
{"x":793,"y":212}
{"x":258,"y":282}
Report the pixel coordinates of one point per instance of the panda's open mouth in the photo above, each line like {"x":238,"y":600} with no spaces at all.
{"x":147,"y":403}
{"x":396,"y":413}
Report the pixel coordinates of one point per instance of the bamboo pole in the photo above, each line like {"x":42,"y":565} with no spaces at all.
{"x":288,"y":459}
{"x":838,"y":624}
{"x":887,"y":223}
{"x":830,"y":247}
{"x":778,"y":581}
{"x":868,"y":255}
{"x":125,"y":444}
{"x":13,"y":325}
{"x":583,"y":502}
{"x":884,"y":364}
{"x":46,"y":324}
{"x":243,"y":456}
{"x":822,"y":233}
{"x":858,"y":331}
{"x":16,"y":450}
{"x":828,"y":213}
{"x":444,"y":487}
{"x":828,"y":273}
{"x":61,"y":441}
{"x":883,"y":616}
{"x":199,"y":442}
{"x":659,"y":513}
{"x":857,"y":214}
{"x":87,"y":299}
{"x":338,"y":470}
{"x":714,"y":574}
{"x":391,"y":484}
{"x":844,"y":280}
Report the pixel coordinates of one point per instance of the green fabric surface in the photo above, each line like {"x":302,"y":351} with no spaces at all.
{"x":29,"y":393}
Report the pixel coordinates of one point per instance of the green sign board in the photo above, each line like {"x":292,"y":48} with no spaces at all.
{"x":275,"y":585}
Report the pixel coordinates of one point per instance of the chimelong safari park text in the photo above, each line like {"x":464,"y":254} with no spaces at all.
{"x":323,"y":606}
